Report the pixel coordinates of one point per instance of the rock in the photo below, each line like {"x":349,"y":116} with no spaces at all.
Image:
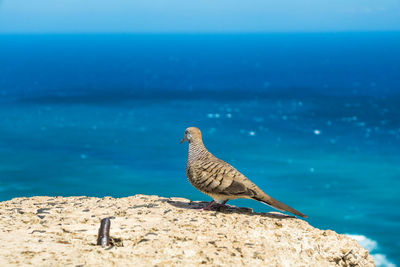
{"x":157,"y":231}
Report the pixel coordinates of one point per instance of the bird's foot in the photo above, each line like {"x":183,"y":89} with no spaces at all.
{"x":220,"y":207}
{"x":214,"y":206}
{"x":209,"y":206}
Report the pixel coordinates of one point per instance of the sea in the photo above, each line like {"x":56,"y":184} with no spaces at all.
{"x":312,"y":118}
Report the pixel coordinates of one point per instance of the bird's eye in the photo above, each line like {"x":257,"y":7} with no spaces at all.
{"x":186,"y":132}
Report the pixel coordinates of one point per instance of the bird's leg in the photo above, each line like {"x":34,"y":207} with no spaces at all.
{"x":215,"y":205}
{"x":221,"y":204}
{"x":208,"y":207}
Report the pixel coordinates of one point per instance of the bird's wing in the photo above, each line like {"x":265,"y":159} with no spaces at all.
{"x":218,"y":177}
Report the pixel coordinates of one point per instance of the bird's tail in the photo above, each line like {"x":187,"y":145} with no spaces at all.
{"x":277,"y":205}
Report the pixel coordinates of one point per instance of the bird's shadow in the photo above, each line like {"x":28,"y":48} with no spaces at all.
{"x":198,"y":205}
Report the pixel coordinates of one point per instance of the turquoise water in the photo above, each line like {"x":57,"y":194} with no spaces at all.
{"x":318,"y":129}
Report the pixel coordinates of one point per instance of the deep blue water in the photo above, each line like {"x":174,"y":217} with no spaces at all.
{"x":313,"y":119}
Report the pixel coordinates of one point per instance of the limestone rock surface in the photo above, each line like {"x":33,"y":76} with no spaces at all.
{"x":157,"y":231}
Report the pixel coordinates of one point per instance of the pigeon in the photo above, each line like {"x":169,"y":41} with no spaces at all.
{"x":219,"y":180}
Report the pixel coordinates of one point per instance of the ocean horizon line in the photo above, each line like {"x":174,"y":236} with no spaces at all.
{"x":244,"y":33}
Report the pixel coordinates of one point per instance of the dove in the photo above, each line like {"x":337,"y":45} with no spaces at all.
{"x":219,"y":180}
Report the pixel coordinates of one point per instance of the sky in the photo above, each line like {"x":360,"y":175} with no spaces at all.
{"x":192,"y":16}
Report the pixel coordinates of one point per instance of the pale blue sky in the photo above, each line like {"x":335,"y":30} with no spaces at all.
{"x":43,"y":16}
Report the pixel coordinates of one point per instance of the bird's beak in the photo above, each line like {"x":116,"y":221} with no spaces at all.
{"x":183,"y":140}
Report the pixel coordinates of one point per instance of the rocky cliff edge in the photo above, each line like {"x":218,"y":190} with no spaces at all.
{"x":157,"y":231}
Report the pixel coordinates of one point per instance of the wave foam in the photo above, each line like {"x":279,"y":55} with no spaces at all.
{"x":380,"y":259}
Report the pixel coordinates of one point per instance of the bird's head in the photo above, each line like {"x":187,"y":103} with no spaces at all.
{"x":192,"y":134}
